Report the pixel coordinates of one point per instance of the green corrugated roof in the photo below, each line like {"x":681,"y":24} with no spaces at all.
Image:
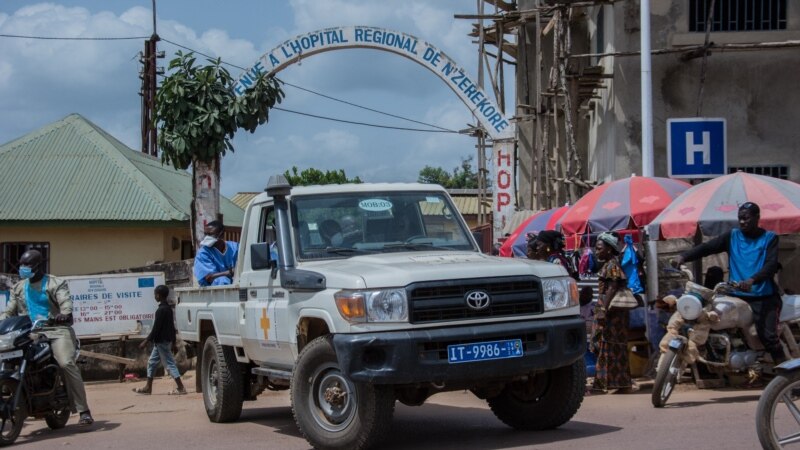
{"x":73,"y":170}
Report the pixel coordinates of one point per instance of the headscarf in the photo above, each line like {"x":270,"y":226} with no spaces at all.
{"x":611,"y":240}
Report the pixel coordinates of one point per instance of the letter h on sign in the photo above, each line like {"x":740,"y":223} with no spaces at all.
{"x":696,"y":148}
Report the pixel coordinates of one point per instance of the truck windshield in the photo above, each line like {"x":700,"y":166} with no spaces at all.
{"x":347,"y":224}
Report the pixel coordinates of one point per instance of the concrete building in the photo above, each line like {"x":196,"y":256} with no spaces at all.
{"x":755,"y":90}
{"x":91,"y":204}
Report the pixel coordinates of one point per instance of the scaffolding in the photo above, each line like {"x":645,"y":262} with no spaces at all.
{"x":558,"y":82}
{"x":552,"y":172}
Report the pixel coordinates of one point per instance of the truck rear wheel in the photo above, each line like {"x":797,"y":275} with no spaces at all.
{"x":544,"y":401}
{"x":222,"y":382}
{"x":332,"y":411}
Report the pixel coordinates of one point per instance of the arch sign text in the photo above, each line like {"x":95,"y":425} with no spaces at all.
{"x":497,"y":126}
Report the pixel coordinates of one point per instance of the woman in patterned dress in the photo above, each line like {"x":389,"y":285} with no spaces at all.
{"x":610,"y":326}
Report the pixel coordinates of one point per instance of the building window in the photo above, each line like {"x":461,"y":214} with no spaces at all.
{"x":781,"y":172}
{"x":600,"y":34}
{"x":13,"y":250}
{"x":187,"y":250}
{"x":738,"y":15}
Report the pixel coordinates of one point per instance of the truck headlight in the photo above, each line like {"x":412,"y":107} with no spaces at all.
{"x":559,"y":293}
{"x":388,"y":305}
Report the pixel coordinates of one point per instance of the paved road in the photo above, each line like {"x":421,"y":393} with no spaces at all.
{"x":457,"y":420}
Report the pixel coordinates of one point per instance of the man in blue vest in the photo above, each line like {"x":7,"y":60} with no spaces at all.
{"x":752,"y":261}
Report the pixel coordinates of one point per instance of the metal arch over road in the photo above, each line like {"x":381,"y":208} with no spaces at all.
{"x":497,"y":126}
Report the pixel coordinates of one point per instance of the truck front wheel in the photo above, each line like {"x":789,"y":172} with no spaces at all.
{"x":544,"y":401}
{"x":222,"y":382}
{"x":332,"y":411}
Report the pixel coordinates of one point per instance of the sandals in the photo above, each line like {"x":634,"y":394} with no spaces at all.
{"x":177,"y":392}
{"x":85,"y":419}
{"x":143,"y":391}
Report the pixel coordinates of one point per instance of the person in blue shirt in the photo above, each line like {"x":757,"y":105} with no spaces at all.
{"x":752,"y":262}
{"x":216,"y":258}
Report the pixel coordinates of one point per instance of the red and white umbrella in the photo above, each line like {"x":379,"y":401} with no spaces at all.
{"x":625,"y":204}
{"x":713,"y":206}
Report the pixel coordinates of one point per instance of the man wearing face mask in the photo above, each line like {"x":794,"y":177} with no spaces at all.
{"x":216,"y":258}
{"x":43,"y":296}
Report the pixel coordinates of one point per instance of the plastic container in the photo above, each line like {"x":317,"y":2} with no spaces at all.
{"x":591,"y":363}
{"x":636,"y":318}
{"x":637,"y":357}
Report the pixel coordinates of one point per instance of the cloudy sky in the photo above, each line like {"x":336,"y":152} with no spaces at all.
{"x":42,"y":81}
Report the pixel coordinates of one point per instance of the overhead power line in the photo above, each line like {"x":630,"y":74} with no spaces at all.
{"x":324,"y":95}
{"x":438,"y":129}
{"x":363,"y":123}
{"x":61,"y":38}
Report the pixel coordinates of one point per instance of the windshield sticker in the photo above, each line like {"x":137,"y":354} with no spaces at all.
{"x":375,"y":204}
{"x":432,"y":199}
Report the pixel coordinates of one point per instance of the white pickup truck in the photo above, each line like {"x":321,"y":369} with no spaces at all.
{"x":358,"y":296}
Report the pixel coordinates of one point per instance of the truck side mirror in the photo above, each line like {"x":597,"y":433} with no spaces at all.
{"x":260,"y":257}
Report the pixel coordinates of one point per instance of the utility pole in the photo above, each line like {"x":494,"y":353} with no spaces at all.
{"x":148,"y":75}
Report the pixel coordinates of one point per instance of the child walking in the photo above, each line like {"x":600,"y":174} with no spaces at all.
{"x":163,"y":338}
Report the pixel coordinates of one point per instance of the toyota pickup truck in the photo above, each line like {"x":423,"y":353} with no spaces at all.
{"x":357,"y":296}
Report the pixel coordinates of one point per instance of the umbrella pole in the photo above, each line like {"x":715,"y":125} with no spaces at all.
{"x":651,"y":256}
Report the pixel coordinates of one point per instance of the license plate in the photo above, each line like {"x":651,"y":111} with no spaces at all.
{"x":9,"y":355}
{"x":484,"y":351}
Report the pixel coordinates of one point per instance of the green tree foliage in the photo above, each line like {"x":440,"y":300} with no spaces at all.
{"x":463,"y":177}
{"x":198,"y":112}
{"x":313,"y":176}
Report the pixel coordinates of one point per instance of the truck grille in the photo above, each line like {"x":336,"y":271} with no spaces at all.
{"x":441,"y":301}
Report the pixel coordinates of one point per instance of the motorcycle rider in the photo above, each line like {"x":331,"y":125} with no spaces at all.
{"x":752,"y":261}
{"x":43,"y":296}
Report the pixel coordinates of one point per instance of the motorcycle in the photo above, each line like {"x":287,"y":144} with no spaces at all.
{"x":716,"y":330}
{"x":778,"y":413}
{"x":31,"y":382}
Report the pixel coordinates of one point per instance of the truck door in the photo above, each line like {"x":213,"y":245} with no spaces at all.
{"x":264,"y":337}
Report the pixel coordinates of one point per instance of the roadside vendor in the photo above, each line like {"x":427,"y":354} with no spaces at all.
{"x":216,"y":258}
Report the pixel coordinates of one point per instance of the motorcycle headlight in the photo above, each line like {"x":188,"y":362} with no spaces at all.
{"x":559,"y":293}
{"x":7,"y":340}
{"x":387,"y":305}
{"x":689,"y":306}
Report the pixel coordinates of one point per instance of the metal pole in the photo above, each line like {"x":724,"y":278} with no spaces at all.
{"x":647,"y":92}
{"x":647,"y":149}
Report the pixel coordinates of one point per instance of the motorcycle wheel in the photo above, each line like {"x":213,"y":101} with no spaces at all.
{"x":777,"y":421}
{"x":58,"y":418}
{"x":11,"y":426}
{"x":669,"y":366}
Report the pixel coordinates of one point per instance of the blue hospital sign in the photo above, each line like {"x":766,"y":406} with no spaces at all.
{"x":696,"y":148}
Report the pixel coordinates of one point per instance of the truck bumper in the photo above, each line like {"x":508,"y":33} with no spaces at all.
{"x":415,"y":356}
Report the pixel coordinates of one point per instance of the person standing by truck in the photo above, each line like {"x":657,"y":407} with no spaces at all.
{"x":43,"y":296}
{"x":163,"y":337}
{"x":610,"y":325}
{"x":216,"y":258}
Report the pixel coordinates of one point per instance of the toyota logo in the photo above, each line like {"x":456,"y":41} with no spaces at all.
{"x":477,"y":300}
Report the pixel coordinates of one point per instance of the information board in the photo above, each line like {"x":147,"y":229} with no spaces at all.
{"x":117,"y":304}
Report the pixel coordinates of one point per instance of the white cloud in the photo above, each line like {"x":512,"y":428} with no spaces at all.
{"x":336,"y":140}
